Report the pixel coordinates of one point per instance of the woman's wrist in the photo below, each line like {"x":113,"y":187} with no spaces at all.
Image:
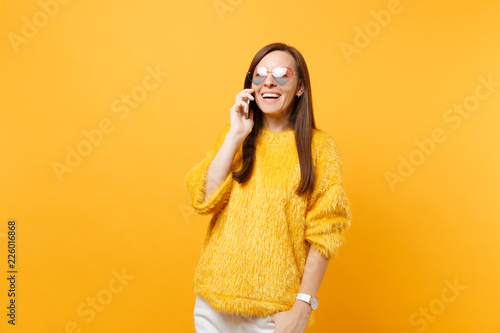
{"x":303,"y":308}
{"x":235,"y":139}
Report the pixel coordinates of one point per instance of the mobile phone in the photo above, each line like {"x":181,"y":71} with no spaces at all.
{"x":248,"y":113}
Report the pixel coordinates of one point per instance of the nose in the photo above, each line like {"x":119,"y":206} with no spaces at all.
{"x":269,"y":81}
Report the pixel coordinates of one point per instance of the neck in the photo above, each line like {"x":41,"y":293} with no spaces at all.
{"x":276,"y":124}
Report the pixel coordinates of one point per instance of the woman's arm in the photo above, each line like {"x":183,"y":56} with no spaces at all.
{"x":295,"y":320}
{"x":314,"y":271}
{"x":221,"y":163}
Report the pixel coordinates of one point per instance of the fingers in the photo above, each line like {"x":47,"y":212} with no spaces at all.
{"x":244,"y":107}
{"x":245,"y":94}
{"x":243,"y":99}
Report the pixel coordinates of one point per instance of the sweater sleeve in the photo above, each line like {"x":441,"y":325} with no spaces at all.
{"x":196,"y":179}
{"x":328,"y":215}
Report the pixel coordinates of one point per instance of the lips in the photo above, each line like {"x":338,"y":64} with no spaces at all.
{"x":270,"y":96}
{"x":271,"y":100}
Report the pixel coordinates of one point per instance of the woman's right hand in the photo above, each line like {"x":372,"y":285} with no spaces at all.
{"x":240,"y":126}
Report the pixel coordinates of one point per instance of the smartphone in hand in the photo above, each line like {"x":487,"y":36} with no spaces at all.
{"x":248,"y":113}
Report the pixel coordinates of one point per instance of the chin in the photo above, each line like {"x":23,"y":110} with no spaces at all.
{"x":271,"y":109}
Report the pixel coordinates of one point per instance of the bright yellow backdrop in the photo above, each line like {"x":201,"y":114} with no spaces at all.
{"x":67,"y":68}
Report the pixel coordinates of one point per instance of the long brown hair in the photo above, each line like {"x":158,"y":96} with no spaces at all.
{"x":301,"y":119}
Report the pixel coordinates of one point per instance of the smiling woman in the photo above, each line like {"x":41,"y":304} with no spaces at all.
{"x":281,"y":88}
{"x":277,"y":220}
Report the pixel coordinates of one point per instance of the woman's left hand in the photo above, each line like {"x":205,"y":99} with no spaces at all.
{"x":294,"y":320}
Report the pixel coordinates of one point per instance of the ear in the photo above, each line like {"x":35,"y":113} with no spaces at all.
{"x":300,"y":89}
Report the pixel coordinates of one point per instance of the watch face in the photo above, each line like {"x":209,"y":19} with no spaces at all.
{"x":314,"y":302}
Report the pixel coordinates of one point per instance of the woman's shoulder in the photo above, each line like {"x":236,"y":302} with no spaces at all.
{"x":324,"y":148}
{"x":322,"y":140}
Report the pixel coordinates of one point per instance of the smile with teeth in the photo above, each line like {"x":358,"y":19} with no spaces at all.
{"x":270,"y":96}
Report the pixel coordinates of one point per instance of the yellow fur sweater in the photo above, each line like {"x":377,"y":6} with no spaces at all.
{"x":253,"y":256}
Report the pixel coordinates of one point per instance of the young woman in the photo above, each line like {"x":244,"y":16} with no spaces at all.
{"x":272,"y":182}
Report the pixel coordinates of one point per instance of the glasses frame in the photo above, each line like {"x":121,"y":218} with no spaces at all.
{"x":288,"y":70}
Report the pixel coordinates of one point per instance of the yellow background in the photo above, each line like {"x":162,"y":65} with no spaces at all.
{"x":124,"y":205}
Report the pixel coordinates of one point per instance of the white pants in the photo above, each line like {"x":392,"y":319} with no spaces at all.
{"x":209,"y":320}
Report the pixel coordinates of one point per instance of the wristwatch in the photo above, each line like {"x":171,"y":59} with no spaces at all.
{"x":311,"y":300}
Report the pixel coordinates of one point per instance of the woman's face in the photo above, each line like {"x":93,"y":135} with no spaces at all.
{"x":286,"y":93}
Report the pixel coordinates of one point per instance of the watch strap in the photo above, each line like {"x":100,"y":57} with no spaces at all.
{"x":309,"y":299}
{"x":304,"y":297}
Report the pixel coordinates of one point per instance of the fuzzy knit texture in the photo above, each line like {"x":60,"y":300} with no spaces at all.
{"x":254,"y":252}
